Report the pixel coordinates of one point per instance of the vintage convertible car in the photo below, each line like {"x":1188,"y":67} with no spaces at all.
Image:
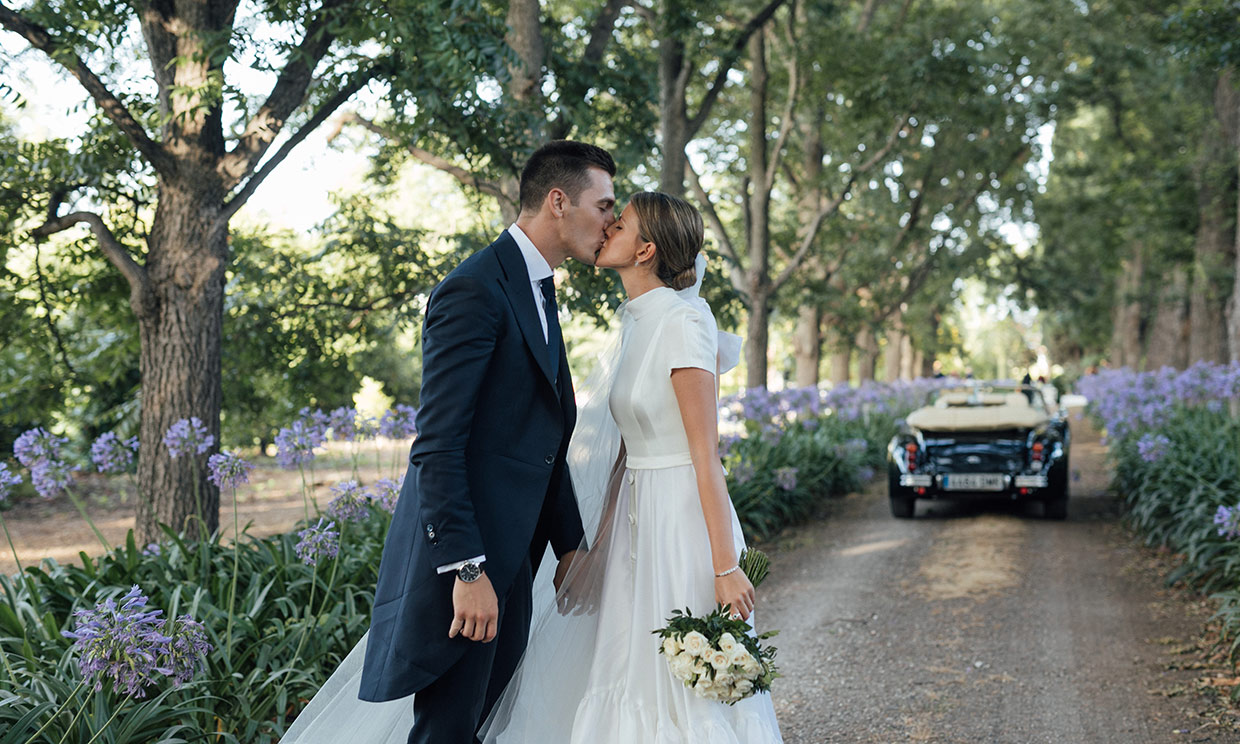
{"x":986,"y":439}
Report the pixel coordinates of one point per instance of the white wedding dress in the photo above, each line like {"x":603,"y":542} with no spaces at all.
{"x":591,"y":673}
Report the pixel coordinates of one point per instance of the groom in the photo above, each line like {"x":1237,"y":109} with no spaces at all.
{"x":487,"y":487}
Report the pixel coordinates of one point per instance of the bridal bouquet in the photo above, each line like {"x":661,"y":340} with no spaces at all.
{"x":715,"y":655}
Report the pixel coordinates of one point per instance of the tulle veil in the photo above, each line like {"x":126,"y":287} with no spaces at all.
{"x":564,"y":624}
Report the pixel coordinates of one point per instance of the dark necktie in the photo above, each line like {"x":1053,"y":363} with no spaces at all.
{"x":553,"y":324}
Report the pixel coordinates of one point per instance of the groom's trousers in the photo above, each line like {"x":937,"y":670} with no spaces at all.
{"x":450,"y":709}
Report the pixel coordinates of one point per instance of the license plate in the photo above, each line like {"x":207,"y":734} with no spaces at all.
{"x":973,"y":482}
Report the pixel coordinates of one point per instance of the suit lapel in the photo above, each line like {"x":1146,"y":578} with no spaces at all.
{"x":518,"y":289}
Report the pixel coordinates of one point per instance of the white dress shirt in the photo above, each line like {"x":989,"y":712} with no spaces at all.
{"x":538,"y":269}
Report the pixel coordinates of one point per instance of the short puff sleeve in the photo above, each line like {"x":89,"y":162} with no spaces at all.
{"x":688,"y":341}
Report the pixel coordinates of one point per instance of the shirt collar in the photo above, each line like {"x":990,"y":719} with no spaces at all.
{"x":650,"y":302}
{"x":535,"y":264}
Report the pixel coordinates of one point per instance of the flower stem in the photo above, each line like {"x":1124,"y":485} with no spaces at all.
{"x":305,"y":500}
{"x":202,"y":525}
{"x":82,"y":510}
{"x":107,"y":723}
{"x":71,"y":698}
{"x":314,"y":584}
{"x":232,"y":591}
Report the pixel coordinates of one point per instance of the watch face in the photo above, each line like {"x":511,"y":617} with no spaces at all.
{"x":470,"y":572}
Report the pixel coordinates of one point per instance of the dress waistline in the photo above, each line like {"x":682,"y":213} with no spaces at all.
{"x":658,"y":462}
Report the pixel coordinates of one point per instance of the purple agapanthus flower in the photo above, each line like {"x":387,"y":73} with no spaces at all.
{"x":786,"y":478}
{"x":37,"y":444}
{"x":295,"y":444}
{"x":188,"y":437}
{"x":1153,"y":447}
{"x":743,"y":473}
{"x":50,"y":477}
{"x":122,"y":642}
{"x":351,"y":502}
{"x":228,"y":469}
{"x":185,"y":653}
{"x":345,"y":425}
{"x":384,"y":494}
{"x":152,"y":549}
{"x":8,"y":479}
{"x":1227,"y":518}
{"x":315,"y":420}
{"x":320,"y":541}
{"x":399,"y":423}
{"x":111,"y":454}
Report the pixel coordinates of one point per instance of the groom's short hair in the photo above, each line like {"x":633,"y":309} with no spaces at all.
{"x":562,"y":164}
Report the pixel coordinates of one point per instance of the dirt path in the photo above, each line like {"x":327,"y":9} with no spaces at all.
{"x":984,"y":623}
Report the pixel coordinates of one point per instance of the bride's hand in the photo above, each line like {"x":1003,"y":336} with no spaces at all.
{"x":736,"y":591}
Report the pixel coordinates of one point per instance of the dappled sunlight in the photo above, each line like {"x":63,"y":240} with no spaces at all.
{"x":873,"y":547}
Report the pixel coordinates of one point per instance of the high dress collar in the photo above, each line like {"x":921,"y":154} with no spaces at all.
{"x":651,"y":302}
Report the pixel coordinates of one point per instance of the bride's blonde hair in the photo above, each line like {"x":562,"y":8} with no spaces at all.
{"x":675,"y":227}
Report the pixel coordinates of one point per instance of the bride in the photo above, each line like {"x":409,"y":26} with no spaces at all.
{"x":661,"y":531}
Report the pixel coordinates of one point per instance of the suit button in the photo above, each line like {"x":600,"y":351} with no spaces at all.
{"x":549,"y":459}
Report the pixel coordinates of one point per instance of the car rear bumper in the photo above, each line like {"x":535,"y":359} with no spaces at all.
{"x":938,"y":485}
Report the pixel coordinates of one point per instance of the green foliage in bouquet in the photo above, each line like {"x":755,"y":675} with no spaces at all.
{"x":715,"y":655}
{"x":755,"y":564}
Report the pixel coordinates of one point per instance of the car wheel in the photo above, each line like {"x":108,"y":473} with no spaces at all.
{"x":1055,"y":508}
{"x":1056,"y":504}
{"x":903,"y":502}
{"x":903,"y":507}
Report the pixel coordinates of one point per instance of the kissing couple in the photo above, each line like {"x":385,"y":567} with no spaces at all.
{"x":465,"y":645}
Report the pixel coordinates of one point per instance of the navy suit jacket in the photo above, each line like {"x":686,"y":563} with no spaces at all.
{"x":487,"y":472}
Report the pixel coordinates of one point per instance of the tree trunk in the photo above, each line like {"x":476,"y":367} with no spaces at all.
{"x":893,"y":354}
{"x":867,"y":350}
{"x":758,"y":237}
{"x":808,"y":345}
{"x":673,"y":115}
{"x":1167,"y":340}
{"x":757,"y":339}
{"x":910,"y":361}
{"x":1207,"y":339}
{"x":840,"y":362}
{"x":1227,"y":110}
{"x":839,"y":347}
{"x":180,"y":355}
{"x":1126,"y":313}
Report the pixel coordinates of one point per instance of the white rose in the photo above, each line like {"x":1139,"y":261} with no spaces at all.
{"x":700,"y":668}
{"x":670,"y":647}
{"x":696,"y":643}
{"x":724,"y":678}
{"x":744,"y":687}
{"x":751,"y":666}
{"x":681,"y":666}
{"x":738,"y":655}
{"x":719,"y":659}
{"x":728,"y":643}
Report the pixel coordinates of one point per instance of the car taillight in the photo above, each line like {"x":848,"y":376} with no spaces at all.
{"x":1038,"y":447}
{"x":910,"y":452}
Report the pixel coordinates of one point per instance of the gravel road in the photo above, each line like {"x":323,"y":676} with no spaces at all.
{"x":982,"y":623}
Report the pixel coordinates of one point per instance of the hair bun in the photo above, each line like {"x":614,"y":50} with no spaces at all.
{"x":684,"y":279}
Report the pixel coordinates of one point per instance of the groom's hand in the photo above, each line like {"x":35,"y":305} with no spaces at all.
{"x":476,"y":610}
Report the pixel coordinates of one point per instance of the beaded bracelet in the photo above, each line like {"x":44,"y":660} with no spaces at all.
{"x":731,"y":570}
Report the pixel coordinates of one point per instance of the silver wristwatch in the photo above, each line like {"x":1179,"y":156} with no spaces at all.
{"x":469,"y":573}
